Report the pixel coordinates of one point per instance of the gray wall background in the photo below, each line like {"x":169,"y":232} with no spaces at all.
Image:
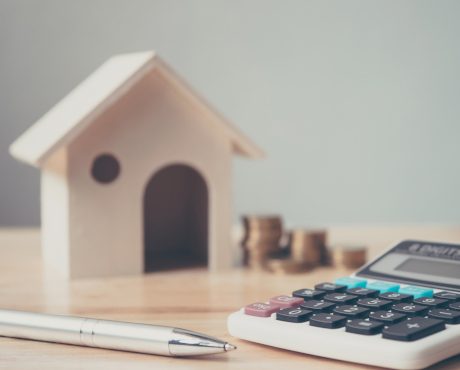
{"x":355,"y":102}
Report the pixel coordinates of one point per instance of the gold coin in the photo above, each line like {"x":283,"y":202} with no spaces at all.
{"x":286,"y":266}
{"x":307,"y":246}
{"x":350,"y":256}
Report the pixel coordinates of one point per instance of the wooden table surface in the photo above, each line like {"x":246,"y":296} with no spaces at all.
{"x":192,"y":299}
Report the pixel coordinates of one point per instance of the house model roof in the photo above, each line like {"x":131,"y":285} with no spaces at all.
{"x":105,"y":86}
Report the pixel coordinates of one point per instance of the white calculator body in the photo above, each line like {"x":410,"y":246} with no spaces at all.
{"x":400,"y":311}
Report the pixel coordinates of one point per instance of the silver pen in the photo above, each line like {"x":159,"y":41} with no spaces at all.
{"x":122,"y":336}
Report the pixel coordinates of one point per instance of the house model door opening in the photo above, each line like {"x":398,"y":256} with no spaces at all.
{"x":175,"y":219}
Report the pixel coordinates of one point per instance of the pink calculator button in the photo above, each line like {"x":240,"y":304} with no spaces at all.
{"x":286,"y":301}
{"x":260,"y":309}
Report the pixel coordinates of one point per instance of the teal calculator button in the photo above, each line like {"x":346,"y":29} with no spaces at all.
{"x":383,"y":286}
{"x":417,"y":291}
{"x":351,"y":282}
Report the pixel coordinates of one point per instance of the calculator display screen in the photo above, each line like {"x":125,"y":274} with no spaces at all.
{"x":418,"y":263}
{"x":430,"y":267}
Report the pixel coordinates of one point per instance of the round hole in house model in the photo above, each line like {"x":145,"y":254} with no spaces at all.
{"x":105,"y":168}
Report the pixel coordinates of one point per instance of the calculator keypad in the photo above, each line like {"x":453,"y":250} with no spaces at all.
{"x":293,"y":315}
{"x":363,"y":292}
{"x":396,"y":297}
{"x":364,"y":327}
{"x":410,"y":309}
{"x":383,"y":286}
{"x":374,"y":303}
{"x":387,"y":317}
{"x":400,"y":313}
{"x":416,"y":291}
{"x":318,"y":306}
{"x":413,"y":329}
{"x":285,"y":301}
{"x":431,"y":302}
{"x":307,"y":294}
{"x":351,"y":311}
{"x":343,"y":298}
{"x":351,"y":282}
{"x":328,"y":320}
{"x":449,"y":316}
{"x":260,"y":309}
{"x":454,"y":297}
{"x":330,"y":287}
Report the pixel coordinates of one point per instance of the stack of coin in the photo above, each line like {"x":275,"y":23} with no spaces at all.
{"x":350,"y":256}
{"x":262,"y":238}
{"x":286,"y":266}
{"x":308,"y":246}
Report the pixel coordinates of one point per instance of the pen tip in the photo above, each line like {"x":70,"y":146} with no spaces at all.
{"x":229,"y":347}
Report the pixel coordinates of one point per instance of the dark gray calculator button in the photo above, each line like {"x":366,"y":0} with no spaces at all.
{"x":431,"y":302}
{"x":343,"y":298}
{"x":363,"y":292}
{"x":318,"y":306}
{"x":413,"y":329}
{"x":351,"y":311}
{"x":451,"y":317}
{"x":448,"y":295}
{"x":410,"y":309}
{"x":293,"y":314}
{"x":330,"y":287}
{"x":374,"y":303}
{"x":307,"y":294}
{"x":396,"y":297}
{"x":387,"y":317}
{"x":328,"y":320}
{"x":455,"y":306}
{"x":364,"y":327}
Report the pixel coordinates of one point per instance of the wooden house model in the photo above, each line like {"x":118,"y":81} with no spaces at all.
{"x":136,"y":173}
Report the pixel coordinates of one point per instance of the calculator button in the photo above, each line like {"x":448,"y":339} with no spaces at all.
{"x":328,"y":320}
{"x":455,"y":306}
{"x":398,"y":297}
{"x":340,"y":298}
{"x":374,"y":303}
{"x":260,"y":309}
{"x":351,"y":282}
{"x":416,"y":291}
{"x":293,"y":314}
{"x":308,"y":294}
{"x":364,"y":327}
{"x":448,"y":295}
{"x":383,"y":286}
{"x":387,"y":317}
{"x":413,"y":329}
{"x":363,"y":292}
{"x":410,"y":309}
{"x":351,"y":311}
{"x":449,"y":316}
{"x":285,"y":301}
{"x":431,"y":302}
{"x":318,"y":306}
{"x":330,"y":287}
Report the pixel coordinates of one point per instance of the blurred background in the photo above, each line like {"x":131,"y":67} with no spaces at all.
{"x":354,"y":102}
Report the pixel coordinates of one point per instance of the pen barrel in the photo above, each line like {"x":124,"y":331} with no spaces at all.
{"x":127,"y":336}
{"x":86,"y":332}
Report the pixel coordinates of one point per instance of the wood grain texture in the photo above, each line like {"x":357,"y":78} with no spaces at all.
{"x":193,"y":299}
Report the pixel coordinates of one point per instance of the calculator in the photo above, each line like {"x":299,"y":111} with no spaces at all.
{"x":400,"y":311}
